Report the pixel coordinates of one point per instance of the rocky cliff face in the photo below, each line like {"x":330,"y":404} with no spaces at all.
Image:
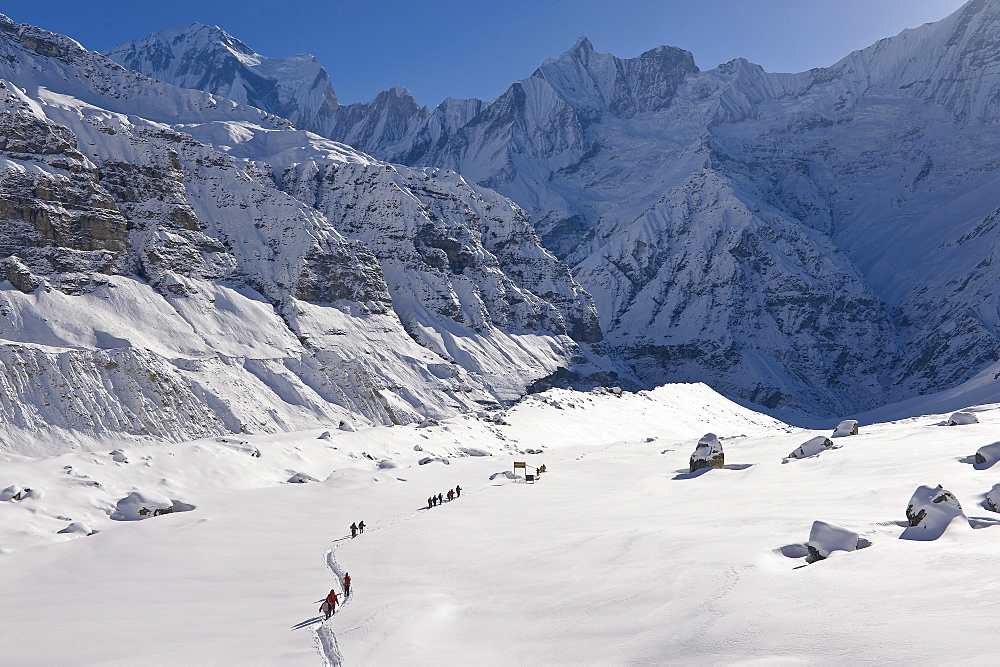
{"x":154,"y":285}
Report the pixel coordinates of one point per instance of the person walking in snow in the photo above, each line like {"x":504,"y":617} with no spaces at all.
{"x":354,"y":530}
{"x":458,"y":491}
{"x":347,"y":585}
{"x":361,"y":526}
{"x":329,"y":606}
{"x":451,"y":495}
{"x":430,"y":502}
{"x":440,"y":498}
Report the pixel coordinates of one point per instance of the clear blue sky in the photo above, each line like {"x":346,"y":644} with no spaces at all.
{"x":441,"y":48}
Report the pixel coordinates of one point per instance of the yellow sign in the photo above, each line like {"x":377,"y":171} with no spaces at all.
{"x":520,"y":464}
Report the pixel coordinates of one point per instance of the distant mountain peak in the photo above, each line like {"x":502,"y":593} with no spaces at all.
{"x":208,"y":58}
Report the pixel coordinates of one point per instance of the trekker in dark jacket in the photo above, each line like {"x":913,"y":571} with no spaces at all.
{"x":354,"y":530}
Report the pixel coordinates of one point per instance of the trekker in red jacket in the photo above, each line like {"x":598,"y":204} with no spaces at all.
{"x":347,"y":585}
{"x":329,"y":606}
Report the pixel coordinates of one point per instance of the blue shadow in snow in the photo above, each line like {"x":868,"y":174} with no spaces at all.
{"x":306,"y":623}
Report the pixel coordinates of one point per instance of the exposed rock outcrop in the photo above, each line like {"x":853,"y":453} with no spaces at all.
{"x":708,"y":453}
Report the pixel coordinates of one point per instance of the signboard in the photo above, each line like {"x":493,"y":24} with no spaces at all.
{"x":520,"y":464}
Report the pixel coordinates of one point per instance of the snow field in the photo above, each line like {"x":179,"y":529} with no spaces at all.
{"x":615,"y":556}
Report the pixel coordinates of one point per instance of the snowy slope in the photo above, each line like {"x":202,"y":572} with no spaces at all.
{"x":811,"y":242}
{"x":161,"y":286}
{"x":617,"y":555}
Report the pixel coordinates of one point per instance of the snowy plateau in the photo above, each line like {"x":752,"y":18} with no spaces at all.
{"x":237,"y":316}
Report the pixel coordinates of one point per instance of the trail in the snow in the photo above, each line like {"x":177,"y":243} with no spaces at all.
{"x":324,"y":638}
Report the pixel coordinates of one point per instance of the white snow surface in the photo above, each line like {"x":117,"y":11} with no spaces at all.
{"x":615,"y":556}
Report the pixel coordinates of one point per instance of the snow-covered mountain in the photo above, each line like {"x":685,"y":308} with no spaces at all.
{"x":157,"y":285}
{"x":814,"y":241}
{"x":207,"y":58}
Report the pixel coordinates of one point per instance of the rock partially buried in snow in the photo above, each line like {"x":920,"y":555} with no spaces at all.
{"x":962,"y":418}
{"x":825,"y":538}
{"x":708,"y":453}
{"x":346,"y":426}
{"x":325,"y":435}
{"x":140,"y":505}
{"x":930,"y":512}
{"x":386,"y":464}
{"x":301,"y":478}
{"x":987,"y":456}
{"x":431,"y":459}
{"x":811,"y":447}
{"x":14,"y":493}
{"x":845,"y":428}
{"x":118,"y":456}
{"x":474,"y":451}
{"x":993,"y":498}
{"x":77,"y":528}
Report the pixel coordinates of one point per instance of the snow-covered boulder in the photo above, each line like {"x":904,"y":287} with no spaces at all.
{"x":142,"y":505}
{"x":325,"y":435}
{"x":811,"y":447}
{"x":507,"y":474}
{"x":386,"y":464}
{"x":962,"y":418}
{"x":76,"y":528}
{"x":301,"y":478}
{"x":432,"y":459}
{"x":987,"y":456}
{"x":708,"y":453}
{"x":474,"y":451}
{"x":993,"y":498}
{"x":845,"y":428}
{"x":118,"y":456}
{"x":825,"y":538}
{"x":930,"y":512}
{"x":346,"y":426}
{"x":13,"y":493}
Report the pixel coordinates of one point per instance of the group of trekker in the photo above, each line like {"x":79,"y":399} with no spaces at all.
{"x":434,"y":501}
{"x":329,"y":606}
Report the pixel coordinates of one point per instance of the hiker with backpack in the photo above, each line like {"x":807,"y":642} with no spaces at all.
{"x":329,"y":606}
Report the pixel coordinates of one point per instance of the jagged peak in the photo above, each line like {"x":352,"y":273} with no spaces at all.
{"x":739,"y":65}
{"x":582,"y":43}
{"x":194,"y":37}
